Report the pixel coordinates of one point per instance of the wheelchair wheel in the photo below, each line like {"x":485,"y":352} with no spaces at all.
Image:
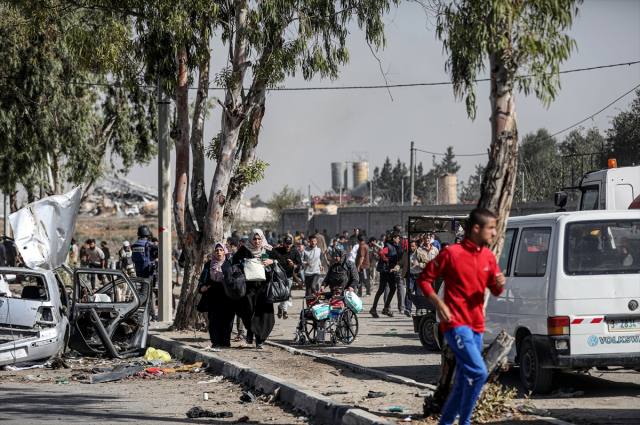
{"x":346,"y":329}
{"x":310,"y":328}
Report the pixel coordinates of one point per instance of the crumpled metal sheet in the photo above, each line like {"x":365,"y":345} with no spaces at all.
{"x":43,"y":230}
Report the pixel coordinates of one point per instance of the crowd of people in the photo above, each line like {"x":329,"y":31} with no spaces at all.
{"x":318,"y":263}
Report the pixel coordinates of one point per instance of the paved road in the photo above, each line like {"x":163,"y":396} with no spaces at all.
{"x":611,"y":397}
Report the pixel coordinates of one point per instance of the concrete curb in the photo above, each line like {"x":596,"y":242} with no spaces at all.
{"x":324,"y":408}
{"x":385,"y":376}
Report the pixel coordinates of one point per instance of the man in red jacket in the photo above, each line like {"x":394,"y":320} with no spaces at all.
{"x":468,"y":269}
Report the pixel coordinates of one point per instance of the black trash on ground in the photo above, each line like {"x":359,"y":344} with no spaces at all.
{"x":375,"y":394}
{"x":248,"y":397}
{"x":198,"y":412}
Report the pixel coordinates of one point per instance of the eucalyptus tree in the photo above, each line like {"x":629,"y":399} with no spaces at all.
{"x":264,"y":43}
{"x":56,"y":128}
{"x":523,"y":43}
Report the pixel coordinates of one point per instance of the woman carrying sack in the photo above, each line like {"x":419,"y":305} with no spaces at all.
{"x":220,"y":307}
{"x":254,"y":309}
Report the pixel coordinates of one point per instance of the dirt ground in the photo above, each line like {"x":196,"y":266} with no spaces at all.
{"x":38,"y":398}
{"x":389,"y":344}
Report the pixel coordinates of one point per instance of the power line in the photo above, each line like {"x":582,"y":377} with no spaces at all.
{"x":588,"y":118}
{"x":443,"y":83}
{"x":435,"y":153}
{"x":553,"y":135}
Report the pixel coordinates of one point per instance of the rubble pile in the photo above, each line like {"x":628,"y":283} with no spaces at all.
{"x":120,"y":197}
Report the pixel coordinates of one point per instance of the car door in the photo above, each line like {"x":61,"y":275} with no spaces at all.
{"x":99,"y":319}
{"x":530,"y":283}
{"x":497,"y":316}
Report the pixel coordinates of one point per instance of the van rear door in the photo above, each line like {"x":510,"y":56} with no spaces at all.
{"x":600,"y":287}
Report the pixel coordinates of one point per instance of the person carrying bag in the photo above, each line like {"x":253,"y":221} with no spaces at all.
{"x":254,"y":309}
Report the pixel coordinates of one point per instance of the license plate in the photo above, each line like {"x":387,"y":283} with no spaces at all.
{"x":624,"y":325}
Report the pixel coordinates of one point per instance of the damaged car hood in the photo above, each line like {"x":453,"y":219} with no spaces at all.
{"x":43,"y":229}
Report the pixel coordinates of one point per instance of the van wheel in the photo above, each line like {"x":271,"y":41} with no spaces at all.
{"x":533,"y":377}
{"x":427,"y":333}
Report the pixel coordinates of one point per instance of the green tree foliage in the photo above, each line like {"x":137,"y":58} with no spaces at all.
{"x":52,"y":132}
{"x":387,"y":181}
{"x":539,"y":160}
{"x":524,"y":43}
{"x":285,"y":199}
{"x":582,"y":150}
{"x":470,"y":191}
{"x":526,"y":35}
{"x":624,"y":136}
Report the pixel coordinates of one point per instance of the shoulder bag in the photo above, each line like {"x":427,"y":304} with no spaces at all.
{"x":254,"y":270}
{"x":278,"y":289}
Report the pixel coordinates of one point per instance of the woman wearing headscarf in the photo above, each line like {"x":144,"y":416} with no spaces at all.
{"x":342,"y":274}
{"x":254,"y":310}
{"x":220,"y":307}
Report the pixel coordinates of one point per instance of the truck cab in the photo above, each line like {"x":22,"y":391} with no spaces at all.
{"x":610,"y":189}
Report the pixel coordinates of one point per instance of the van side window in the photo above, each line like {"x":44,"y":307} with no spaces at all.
{"x":533,"y":250}
{"x":590,"y":196}
{"x":504,"y":262}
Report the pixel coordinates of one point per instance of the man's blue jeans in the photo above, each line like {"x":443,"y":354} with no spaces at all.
{"x":471,"y":374}
{"x":408,"y":305}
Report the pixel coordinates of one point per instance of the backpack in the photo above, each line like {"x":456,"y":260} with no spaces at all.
{"x":234,"y":284}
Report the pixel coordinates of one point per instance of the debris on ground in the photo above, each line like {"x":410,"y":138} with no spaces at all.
{"x":531,"y":410}
{"x":565,"y":393}
{"x":152,"y":353}
{"x":330,"y":393}
{"x":394,"y":409}
{"x":375,"y":394}
{"x":119,"y":372}
{"x":212,"y":381}
{"x":248,"y":397}
{"x":275,"y":396}
{"x":198,"y":412}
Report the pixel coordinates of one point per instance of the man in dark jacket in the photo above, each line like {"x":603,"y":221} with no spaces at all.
{"x":290,"y":262}
{"x":390,"y":256}
{"x":10,"y":252}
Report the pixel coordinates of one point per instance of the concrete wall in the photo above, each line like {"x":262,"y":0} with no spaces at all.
{"x":378,"y":220}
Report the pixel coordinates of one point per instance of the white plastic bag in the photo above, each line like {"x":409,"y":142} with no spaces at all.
{"x":353,"y":301}
{"x":320,"y":311}
{"x":254,"y":270}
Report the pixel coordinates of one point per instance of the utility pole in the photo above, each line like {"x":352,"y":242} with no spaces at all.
{"x":165,"y":278}
{"x":437,"y":189}
{"x":402,"y":192}
{"x":7,"y":210}
{"x":523,"y":198}
{"x":412,"y":164}
{"x":370,"y":193}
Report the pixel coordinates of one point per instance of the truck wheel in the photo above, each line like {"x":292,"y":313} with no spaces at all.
{"x":426,"y":331}
{"x":533,"y":377}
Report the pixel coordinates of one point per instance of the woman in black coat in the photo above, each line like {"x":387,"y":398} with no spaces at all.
{"x":254,"y":310}
{"x":220,"y":307}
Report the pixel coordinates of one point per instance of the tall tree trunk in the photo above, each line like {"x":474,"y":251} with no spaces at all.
{"x":181,"y":138}
{"x":498,"y":183}
{"x":239,"y":184}
{"x":234,"y":113}
{"x":194,"y":245}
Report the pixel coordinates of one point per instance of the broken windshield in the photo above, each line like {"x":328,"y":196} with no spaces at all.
{"x":603,"y":247}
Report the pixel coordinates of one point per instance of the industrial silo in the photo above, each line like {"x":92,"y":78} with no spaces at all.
{"x":360,"y":173}
{"x":338,"y":176}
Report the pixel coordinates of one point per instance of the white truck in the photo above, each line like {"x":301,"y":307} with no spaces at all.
{"x":610,"y":189}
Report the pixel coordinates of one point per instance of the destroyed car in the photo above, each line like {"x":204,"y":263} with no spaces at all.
{"x":42,"y":313}
{"x":33,"y":315}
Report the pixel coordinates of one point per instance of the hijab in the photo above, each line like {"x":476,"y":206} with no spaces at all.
{"x":339,"y":275}
{"x":215,"y":271}
{"x":257,"y":252}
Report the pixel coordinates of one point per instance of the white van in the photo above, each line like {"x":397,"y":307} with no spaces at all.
{"x":572,"y":293}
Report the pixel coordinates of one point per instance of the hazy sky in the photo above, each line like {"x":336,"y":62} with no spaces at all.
{"x":304,"y":131}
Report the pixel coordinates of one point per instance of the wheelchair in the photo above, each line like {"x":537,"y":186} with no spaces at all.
{"x":341,"y":326}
